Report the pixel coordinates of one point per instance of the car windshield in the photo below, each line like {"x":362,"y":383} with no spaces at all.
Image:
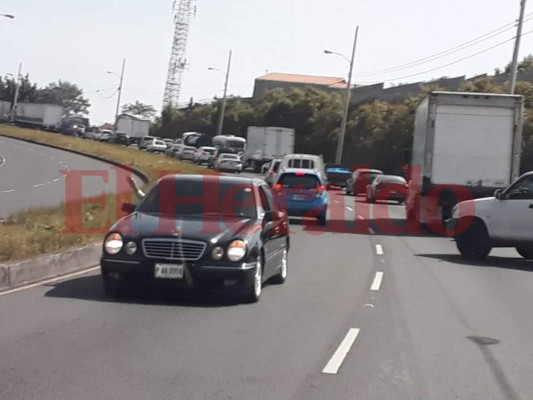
{"x":369,"y":175}
{"x":301,"y":163}
{"x":196,"y":198}
{"x":229,"y":157}
{"x":339,"y":170}
{"x":299,"y":181}
{"x":393,"y":179}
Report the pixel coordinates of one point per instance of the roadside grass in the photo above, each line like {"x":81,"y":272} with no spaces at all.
{"x":43,"y":230}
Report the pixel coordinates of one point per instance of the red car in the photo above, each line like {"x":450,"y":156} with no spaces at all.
{"x":387,"y":188}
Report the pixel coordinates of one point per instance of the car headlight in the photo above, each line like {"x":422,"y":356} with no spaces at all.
{"x":217,"y":253}
{"x":131,"y":248}
{"x":236,"y":250}
{"x":113,"y":243}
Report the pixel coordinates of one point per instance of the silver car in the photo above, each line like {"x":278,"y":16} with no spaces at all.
{"x":228,"y":162}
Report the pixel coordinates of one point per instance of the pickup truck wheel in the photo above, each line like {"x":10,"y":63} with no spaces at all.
{"x":474,"y":243}
{"x":526,"y":252}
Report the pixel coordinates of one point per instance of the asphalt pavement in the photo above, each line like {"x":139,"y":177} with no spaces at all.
{"x":369,"y":311}
{"x":33,"y":175}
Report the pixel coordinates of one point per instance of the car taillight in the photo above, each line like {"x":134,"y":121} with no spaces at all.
{"x":271,"y":171}
{"x":278,"y":187}
{"x":320,"y":190}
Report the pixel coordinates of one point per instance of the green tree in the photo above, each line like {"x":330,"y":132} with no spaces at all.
{"x":482,"y":85}
{"x":525,"y":65}
{"x":27,"y":89}
{"x":65,"y":94}
{"x":139,"y":109}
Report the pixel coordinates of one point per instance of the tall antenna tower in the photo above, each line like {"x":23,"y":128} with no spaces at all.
{"x":183,"y":11}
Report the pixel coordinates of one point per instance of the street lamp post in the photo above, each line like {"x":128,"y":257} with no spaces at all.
{"x":121,"y":76}
{"x":342,"y":133}
{"x":224,"y":99}
{"x":16,"y":98}
{"x":514,"y":63}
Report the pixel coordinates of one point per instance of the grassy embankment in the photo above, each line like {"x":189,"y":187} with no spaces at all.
{"x":45,"y":230}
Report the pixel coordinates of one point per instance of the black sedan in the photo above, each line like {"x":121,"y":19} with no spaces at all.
{"x":199,"y":231}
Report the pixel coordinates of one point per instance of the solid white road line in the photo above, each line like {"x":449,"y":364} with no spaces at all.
{"x":52,"y":280}
{"x":39,"y":185}
{"x":333,"y":365}
{"x":8,"y":191}
{"x":379,"y":250}
{"x":376,"y":285}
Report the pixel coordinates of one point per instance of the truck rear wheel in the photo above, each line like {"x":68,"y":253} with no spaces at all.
{"x":526,"y":252}
{"x":474,"y":243}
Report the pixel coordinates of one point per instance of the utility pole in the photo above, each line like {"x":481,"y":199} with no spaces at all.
{"x":342,"y":133}
{"x":120,"y":90}
{"x":223,"y":108}
{"x":514,"y":64}
{"x":16,"y":99}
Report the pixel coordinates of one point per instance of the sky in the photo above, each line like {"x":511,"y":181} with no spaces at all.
{"x":79,"y":41}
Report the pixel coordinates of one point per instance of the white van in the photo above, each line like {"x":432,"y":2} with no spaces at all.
{"x":305,"y":161}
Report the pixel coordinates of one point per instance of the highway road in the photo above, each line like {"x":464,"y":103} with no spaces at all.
{"x":366,"y":313}
{"x":33,"y":175}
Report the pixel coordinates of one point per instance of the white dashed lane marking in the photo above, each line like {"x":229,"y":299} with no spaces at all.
{"x":376,"y":284}
{"x":379,"y":250}
{"x":332,"y":367}
{"x":8,"y":191}
{"x":38,"y":185}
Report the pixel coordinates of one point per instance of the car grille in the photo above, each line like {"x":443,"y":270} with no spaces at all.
{"x":174,"y":249}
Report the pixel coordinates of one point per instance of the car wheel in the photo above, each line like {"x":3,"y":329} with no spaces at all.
{"x":321,"y":219}
{"x":280,"y":278}
{"x":526,"y":252}
{"x":254,"y":286}
{"x":474,"y":243}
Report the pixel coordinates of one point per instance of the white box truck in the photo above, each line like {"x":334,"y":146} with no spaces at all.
{"x":465,"y":145}
{"x":43,"y":116}
{"x":136,"y":128}
{"x":264,"y":144}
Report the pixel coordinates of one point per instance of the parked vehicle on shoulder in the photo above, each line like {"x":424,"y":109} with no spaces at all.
{"x":122,"y":138}
{"x":360,"y":179}
{"x":178,"y":244}
{"x":202,"y":154}
{"x":228,"y":162}
{"x":303,"y":193}
{"x":504,"y":220}
{"x":387,"y":188}
{"x":187,"y":153}
{"x":157,"y":146}
{"x":106,"y":135}
{"x":145,"y":141}
{"x":174,"y":150}
{"x":168,"y":142}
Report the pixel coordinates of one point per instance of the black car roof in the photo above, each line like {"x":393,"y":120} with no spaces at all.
{"x":220,"y":178}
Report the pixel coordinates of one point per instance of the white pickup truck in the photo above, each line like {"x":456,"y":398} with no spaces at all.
{"x":505,"y":220}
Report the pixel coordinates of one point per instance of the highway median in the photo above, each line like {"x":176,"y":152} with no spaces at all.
{"x":44,"y":233}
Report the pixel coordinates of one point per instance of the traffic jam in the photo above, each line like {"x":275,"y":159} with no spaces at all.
{"x":452,"y":188}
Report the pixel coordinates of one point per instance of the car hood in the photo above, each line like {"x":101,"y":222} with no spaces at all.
{"x":476,"y":207}
{"x":204,"y":228}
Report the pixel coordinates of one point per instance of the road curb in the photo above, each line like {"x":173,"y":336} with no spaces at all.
{"x":25,"y":272}
{"x":136,"y":171}
{"x":40,"y":268}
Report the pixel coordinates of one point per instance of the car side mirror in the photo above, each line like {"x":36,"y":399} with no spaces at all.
{"x":498,"y":194}
{"x":128,"y":208}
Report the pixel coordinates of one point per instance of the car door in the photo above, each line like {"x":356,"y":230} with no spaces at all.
{"x":512,"y":216}
{"x":272,"y":234}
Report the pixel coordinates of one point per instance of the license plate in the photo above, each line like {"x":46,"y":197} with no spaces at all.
{"x":298,"y":197}
{"x":169,"y":271}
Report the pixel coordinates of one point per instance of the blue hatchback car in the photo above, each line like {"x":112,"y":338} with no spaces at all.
{"x":303,"y":193}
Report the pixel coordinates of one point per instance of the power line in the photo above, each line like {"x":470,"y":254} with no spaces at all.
{"x":456,"y":61}
{"x":444,"y":53}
